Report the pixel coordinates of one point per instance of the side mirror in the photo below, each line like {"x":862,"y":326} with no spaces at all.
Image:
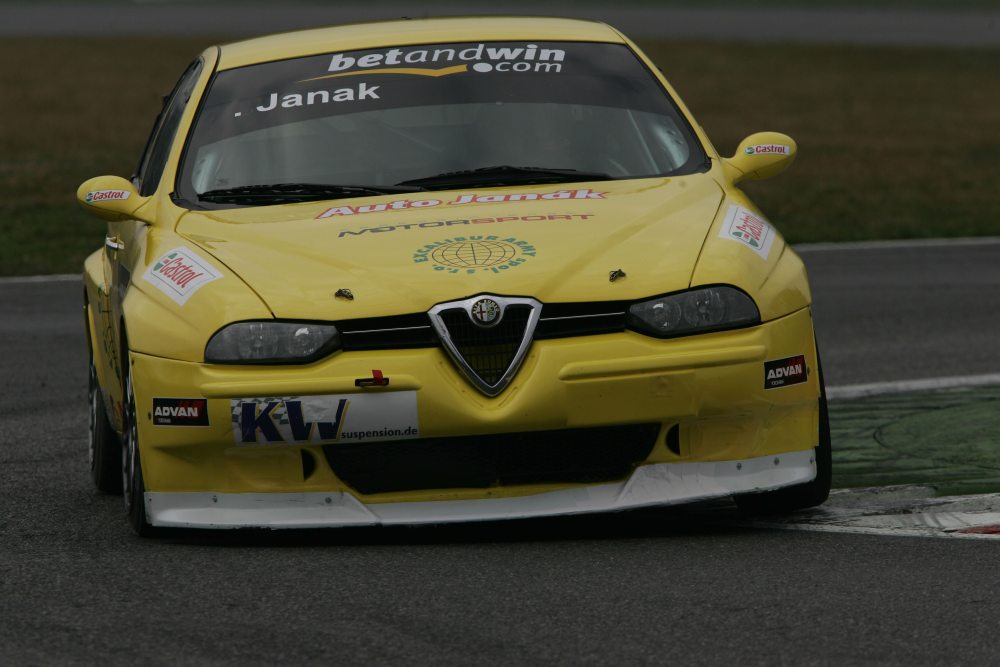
{"x":761,"y":155}
{"x":109,"y":197}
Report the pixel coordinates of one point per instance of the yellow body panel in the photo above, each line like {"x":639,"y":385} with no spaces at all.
{"x":712,"y":386}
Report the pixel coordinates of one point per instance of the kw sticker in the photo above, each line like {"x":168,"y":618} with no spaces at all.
{"x":475,"y":254}
{"x":784,"y":372}
{"x":748,"y":228}
{"x":469,"y":221}
{"x":325,"y":419}
{"x":180,"y":412}
{"x":768,"y":149}
{"x":180,"y":273}
{"x":462,"y":200}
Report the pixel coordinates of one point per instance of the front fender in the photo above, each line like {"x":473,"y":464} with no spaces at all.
{"x":756,"y":260}
{"x":157,"y":325}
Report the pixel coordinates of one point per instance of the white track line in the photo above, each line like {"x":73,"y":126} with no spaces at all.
{"x":908,"y":510}
{"x":57,"y":278}
{"x":897,"y":244}
{"x":868,"y":530}
{"x":926,"y":384}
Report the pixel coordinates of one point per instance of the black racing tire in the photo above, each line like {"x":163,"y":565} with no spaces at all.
{"x":104,"y":445}
{"x":800,"y":496}
{"x":133,"y":486}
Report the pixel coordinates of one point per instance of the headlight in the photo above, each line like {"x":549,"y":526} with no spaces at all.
{"x":271,"y":343}
{"x":696,"y":311}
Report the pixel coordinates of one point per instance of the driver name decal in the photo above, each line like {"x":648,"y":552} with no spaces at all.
{"x":180,"y":273}
{"x":361,"y":92}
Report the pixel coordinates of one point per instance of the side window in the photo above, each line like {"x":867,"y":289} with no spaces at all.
{"x":154,"y":157}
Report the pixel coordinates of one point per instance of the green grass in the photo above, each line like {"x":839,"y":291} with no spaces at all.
{"x":893,"y":142}
{"x":73,"y":108}
{"x":946,"y":439}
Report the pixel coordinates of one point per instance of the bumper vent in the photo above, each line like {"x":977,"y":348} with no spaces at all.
{"x":585,"y":455}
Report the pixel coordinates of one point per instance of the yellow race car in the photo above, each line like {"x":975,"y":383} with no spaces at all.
{"x":443,"y":270}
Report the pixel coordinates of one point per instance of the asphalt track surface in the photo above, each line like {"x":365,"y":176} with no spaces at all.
{"x":858,"y":25}
{"x":685,"y":587}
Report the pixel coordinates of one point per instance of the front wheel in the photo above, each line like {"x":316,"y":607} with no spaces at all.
{"x":104,"y":445}
{"x":134,"y":489}
{"x":805,"y":495}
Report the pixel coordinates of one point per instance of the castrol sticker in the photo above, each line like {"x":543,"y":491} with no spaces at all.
{"x":180,"y":273}
{"x":748,"y":228}
{"x":768,"y":149}
{"x":106,"y":195}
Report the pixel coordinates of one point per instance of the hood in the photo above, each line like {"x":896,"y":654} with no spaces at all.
{"x":404,"y":253}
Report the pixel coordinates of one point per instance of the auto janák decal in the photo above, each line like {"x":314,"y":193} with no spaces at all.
{"x":784,"y":372}
{"x":325,"y":419}
{"x":180,"y":412}
{"x":107,"y":195}
{"x":475,"y":254}
{"x":461,"y":200}
{"x":179,"y":273}
{"x":470,"y":221}
{"x":748,"y":228}
{"x":477,"y":58}
{"x":768,"y":149}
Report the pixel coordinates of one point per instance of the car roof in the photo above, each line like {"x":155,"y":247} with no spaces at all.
{"x":410,"y":32}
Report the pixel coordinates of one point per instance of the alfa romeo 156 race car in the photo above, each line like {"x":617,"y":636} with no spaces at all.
{"x":443,"y":270}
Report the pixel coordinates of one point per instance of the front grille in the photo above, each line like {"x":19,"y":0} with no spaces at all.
{"x":565,"y":320}
{"x":488,"y":351}
{"x":582,"y":455}
{"x":387,"y":333}
{"x":558,"y":320}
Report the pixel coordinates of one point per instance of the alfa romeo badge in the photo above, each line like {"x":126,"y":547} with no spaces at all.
{"x":486,"y":312}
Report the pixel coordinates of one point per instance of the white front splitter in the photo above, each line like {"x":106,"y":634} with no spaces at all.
{"x":649,"y":485}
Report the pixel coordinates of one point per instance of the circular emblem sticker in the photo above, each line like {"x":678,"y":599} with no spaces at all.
{"x":486,"y":312}
{"x":475,"y":254}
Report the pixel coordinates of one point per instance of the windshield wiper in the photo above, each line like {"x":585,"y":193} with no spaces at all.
{"x":505,"y":175}
{"x":284,"y":193}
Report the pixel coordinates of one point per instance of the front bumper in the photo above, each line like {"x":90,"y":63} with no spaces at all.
{"x":709,"y":389}
{"x":650,"y":485}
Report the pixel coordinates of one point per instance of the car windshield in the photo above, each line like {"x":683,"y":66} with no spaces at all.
{"x":432,"y":117}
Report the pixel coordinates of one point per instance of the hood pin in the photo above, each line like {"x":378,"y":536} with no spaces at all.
{"x":344,"y":293}
{"x":616,"y":274}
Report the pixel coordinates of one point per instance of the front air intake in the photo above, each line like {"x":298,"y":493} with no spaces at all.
{"x":487,"y":337}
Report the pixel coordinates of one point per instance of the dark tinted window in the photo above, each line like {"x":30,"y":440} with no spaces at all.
{"x":162,"y":138}
{"x":381,"y":117}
